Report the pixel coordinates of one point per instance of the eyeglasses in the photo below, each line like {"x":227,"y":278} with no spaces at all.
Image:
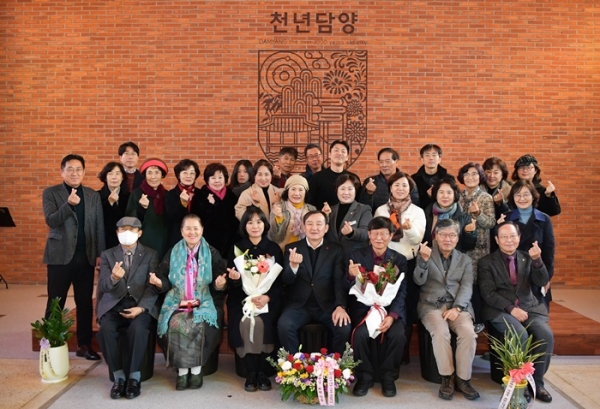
{"x":523,"y":196}
{"x":129,"y":153}
{"x":471,"y":175}
{"x":529,"y":168}
{"x":78,"y":171}
{"x":447,"y":235}
{"x":512,"y":237}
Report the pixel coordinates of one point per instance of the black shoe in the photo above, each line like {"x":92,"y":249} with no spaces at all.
{"x":447,"y":387}
{"x":542,"y":394}
{"x":195,"y":381}
{"x":251,"y":384}
{"x":388,"y":388}
{"x":465,"y":387}
{"x":133,"y":389}
{"x":182,"y":382}
{"x":478,"y":328}
{"x":86,"y":351}
{"x":264,"y":384}
{"x":118,"y":389}
{"x":527,"y":394}
{"x":362,"y":387}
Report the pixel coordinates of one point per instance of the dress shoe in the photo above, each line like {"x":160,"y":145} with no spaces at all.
{"x":118,"y":389}
{"x":182,"y":382}
{"x":465,"y":387}
{"x":447,"y":387}
{"x":478,"y":328}
{"x":264,"y":384}
{"x":196,"y":381}
{"x":251,"y":384}
{"x":133,"y":388}
{"x":86,"y":351}
{"x":542,"y":394}
{"x":388,"y":388}
{"x":362,"y":387}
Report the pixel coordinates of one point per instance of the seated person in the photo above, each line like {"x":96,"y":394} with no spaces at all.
{"x":126,"y":300}
{"x":389,"y":345}
{"x":314,"y":286}
{"x":446,"y":279}
{"x":503,"y":301}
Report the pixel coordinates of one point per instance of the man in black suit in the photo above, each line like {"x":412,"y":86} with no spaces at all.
{"x":73,"y":213}
{"x":314,"y":288}
{"x":129,"y":153}
{"x":505,"y":278}
{"x":126,"y":300}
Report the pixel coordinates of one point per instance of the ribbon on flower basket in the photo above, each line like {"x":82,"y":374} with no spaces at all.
{"x":516,"y":377}
{"x":330,"y":365}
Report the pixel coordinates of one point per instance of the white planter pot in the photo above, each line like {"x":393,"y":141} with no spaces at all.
{"x":54,"y":364}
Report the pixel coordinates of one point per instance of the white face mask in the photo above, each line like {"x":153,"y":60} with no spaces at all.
{"x":127,"y":238}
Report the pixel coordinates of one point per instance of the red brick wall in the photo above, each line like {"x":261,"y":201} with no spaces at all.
{"x":481,"y":78}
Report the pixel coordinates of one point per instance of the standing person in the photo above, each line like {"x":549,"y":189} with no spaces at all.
{"x":254,"y":228}
{"x":126,"y":300}
{"x":75,"y":241}
{"x":242,"y":177}
{"x":409,"y":223}
{"x":526,"y":168}
{"x":193,"y":276}
{"x":375,"y":191}
{"x":217,"y":209}
{"x":285,"y":166}
{"x":381,"y":355}
{"x":348,"y":220}
{"x":322,"y":184}
{"x":480,"y":206}
{"x":262,"y":193}
{"x":129,"y":153}
{"x":446,"y":279}
{"x":182,"y":199}
{"x":147,"y":203}
{"x":314,"y":160}
{"x":498,"y":187}
{"x":507,"y":303}
{"x":429,"y":173}
{"x":314,"y":287}
{"x":286,"y":215}
{"x":114,"y":197}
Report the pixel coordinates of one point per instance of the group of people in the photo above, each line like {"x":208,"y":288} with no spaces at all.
{"x":166,"y":260}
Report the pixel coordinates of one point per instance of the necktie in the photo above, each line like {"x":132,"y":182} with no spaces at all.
{"x":512,"y":270}
{"x":127,"y":261}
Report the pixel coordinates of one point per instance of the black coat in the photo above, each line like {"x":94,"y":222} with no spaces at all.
{"x":382,"y":194}
{"x":236,"y":294}
{"x":466,"y":241}
{"x":175,"y":212}
{"x":425,"y":181}
{"x":218,"y":219}
{"x":112,"y":214}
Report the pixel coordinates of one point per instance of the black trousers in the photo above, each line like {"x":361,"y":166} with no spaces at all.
{"x":80,"y":273}
{"x":138,"y":332}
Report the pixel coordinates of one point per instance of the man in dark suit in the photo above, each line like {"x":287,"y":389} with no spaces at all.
{"x":75,"y":240}
{"x":505,"y":278}
{"x":126,"y":300}
{"x":129,"y":153}
{"x":314,"y":287}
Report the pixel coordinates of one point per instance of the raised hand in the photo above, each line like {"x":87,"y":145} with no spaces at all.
{"x":353,"y":269}
{"x":549,"y":189}
{"x":255,"y":195}
{"x":407,"y":224}
{"x":371,"y":187}
{"x":234,"y":274}
{"x":276,"y":197}
{"x":429,"y":191}
{"x":154,"y":280}
{"x":295,"y":258}
{"x":424,"y":251}
{"x":73,"y":199}
{"x":535,"y":251}
{"x":499,"y":197}
{"x":276,"y":171}
{"x":144,"y":201}
{"x":221,"y":281}
{"x":113,"y":197}
{"x":474,"y":209}
{"x":501,"y":219}
{"x":211,"y":198}
{"x":326,"y":208}
{"x":277,"y":209}
{"x":347,"y":228}
{"x":471,"y":226}
{"x":117,"y":271}
{"x":185,"y":197}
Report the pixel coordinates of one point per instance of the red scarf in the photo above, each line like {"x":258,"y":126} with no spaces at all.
{"x":157,"y":195}
{"x":190,"y":192}
{"x":220,"y":194}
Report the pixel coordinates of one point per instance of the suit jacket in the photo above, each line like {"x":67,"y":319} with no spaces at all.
{"x":364,"y":257}
{"x":135,"y":282}
{"x":435,"y":284}
{"x":497,"y":293}
{"x":62,"y":220}
{"x":359,"y":213}
{"x":326,"y":280}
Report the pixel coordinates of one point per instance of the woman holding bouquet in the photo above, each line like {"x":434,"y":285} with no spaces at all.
{"x":379,"y":343}
{"x":254,"y":342}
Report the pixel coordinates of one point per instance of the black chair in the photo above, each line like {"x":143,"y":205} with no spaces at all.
{"x":313,"y":337}
{"x":429,"y":370}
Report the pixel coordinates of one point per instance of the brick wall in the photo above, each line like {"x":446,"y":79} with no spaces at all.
{"x":481,"y":78}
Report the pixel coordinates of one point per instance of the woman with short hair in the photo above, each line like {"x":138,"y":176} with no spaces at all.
{"x":114,"y":196}
{"x":526,"y":168}
{"x":181,"y":200}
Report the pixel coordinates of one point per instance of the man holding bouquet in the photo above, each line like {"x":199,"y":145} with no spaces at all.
{"x":377,"y":309}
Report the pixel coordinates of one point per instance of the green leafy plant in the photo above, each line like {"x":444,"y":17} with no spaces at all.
{"x":56,"y":327}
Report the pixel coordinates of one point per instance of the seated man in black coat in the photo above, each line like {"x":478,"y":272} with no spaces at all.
{"x":382,"y":354}
{"x":126,"y":300}
{"x":505,"y":280}
{"x":314,"y":286}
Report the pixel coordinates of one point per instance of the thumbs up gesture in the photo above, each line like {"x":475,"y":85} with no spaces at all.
{"x":424,"y":251}
{"x":535,"y":251}
{"x":353,"y":269}
{"x":144,"y":201}
{"x":295,"y":258}
{"x":117,"y":271}
{"x":73,"y":199}
{"x":371,"y":187}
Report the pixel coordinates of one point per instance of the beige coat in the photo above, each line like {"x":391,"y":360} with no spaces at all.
{"x":245,"y":200}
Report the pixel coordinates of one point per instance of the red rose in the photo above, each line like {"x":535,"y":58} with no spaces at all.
{"x":362,"y":269}
{"x":336,"y":356}
{"x":337,"y":373}
{"x":323,"y":351}
{"x":310,"y":368}
{"x":306,"y":355}
{"x":317,"y":357}
{"x":291,"y":358}
{"x":373,"y":277}
{"x":298,"y":366}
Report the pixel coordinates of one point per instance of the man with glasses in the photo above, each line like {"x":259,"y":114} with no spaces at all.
{"x":505,"y":280}
{"x":430,"y":172}
{"x":446,"y":279}
{"x":375,"y":190}
{"x":314,"y":160}
{"x":129,"y":153}
{"x":76,"y":238}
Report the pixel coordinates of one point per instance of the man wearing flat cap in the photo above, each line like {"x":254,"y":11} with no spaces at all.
{"x":526,"y":168}
{"x":126,"y":301}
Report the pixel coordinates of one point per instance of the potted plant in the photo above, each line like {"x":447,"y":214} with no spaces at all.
{"x":53,"y":333}
{"x":516,"y":359}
